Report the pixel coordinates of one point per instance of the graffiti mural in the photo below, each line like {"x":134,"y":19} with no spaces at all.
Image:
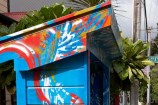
{"x":54,"y":84}
{"x":57,"y":42}
{"x":52,"y":89}
{"x":63,"y":37}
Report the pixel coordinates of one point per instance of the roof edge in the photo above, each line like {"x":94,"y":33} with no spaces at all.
{"x":7,"y":18}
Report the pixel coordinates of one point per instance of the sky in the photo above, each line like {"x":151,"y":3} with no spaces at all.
{"x":124,"y":19}
{"x":124,"y":16}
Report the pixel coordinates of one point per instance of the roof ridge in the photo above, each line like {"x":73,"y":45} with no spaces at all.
{"x":14,"y":13}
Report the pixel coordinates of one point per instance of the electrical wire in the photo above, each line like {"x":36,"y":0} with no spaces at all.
{"x":123,"y":16}
{"x":148,"y":29}
{"x":120,"y":10}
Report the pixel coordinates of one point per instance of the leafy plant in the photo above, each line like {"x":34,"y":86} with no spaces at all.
{"x":154,"y":46}
{"x":133,"y":61}
{"x":43,"y":15}
{"x":154,"y":84}
{"x":142,"y":94}
{"x":4,"y":30}
{"x":7,"y":74}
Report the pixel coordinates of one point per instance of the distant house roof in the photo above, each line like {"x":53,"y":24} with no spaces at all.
{"x":15,"y":15}
{"x":5,"y":20}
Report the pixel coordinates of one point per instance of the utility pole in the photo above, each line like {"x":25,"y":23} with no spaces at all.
{"x":148,"y":67}
{"x":136,"y":23}
{"x":136,"y":32}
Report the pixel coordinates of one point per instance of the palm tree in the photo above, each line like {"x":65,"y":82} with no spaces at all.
{"x":81,"y":4}
{"x":133,"y":61}
{"x":130,"y":67}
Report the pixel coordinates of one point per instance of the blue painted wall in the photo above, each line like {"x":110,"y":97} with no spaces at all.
{"x":62,"y":82}
{"x":79,"y":79}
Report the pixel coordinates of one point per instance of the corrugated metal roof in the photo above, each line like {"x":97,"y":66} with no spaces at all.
{"x":15,"y":15}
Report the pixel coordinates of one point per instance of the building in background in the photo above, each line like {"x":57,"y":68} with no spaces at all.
{"x":4,"y":8}
{"x":16,"y":16}
{"x":13,"y":10}
{"x":5,"y":20}
{"x":7,"y":17}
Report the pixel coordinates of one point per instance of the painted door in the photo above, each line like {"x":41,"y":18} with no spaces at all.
{"x":63,"y":82}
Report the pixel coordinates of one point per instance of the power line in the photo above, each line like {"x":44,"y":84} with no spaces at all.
{"x":120,"y":10}
{"x":122,"y":16}
{"x":155,"y":32}
{"x":115,"y":6}
{"x":149,"y":29}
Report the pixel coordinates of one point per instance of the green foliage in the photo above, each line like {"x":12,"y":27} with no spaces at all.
{"x":132,"y":62}
{"x":154,"y":83}
{"x":143,"y":94}
{"x":7,"y":74}
{"x":154,"y":46}
{"x":4,"y":30}
{"x":43,"y":15}
{"x":154,"y":71}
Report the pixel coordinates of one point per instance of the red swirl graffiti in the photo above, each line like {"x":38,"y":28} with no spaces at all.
{"x":30,"y":60}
